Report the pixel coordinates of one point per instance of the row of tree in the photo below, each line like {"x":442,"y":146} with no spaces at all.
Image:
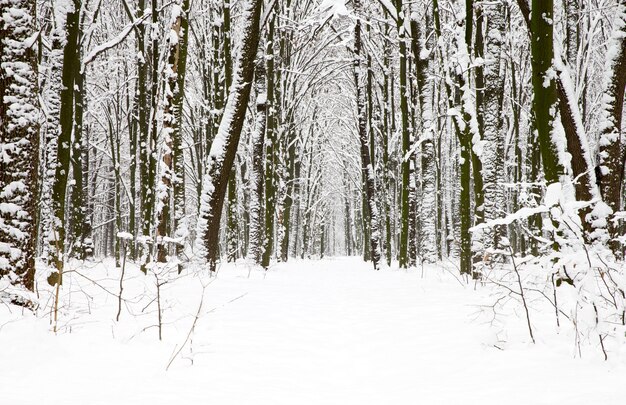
{"x":270,"y":129}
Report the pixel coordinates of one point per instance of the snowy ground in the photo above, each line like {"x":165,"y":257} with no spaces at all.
{"x":309,"y":332}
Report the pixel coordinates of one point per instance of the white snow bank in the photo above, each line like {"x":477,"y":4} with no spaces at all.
{"x":327,"y":332}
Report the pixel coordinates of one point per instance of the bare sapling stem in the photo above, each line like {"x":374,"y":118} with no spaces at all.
{"x":521,"y":290}
{"x":119,"y":297}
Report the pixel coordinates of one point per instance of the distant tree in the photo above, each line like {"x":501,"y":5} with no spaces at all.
{"x":255,"y":247}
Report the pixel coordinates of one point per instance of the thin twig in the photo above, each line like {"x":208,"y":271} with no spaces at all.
{"x":521,"y":288}
{"x":193,"y":326}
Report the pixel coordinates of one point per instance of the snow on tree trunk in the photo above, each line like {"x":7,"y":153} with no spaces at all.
{"x":19,"y":142}
{"x":366,"y":166}
{"x":172,"y":164}
{"x":493,"y":136}
{"x":288,"y":198}
{"x":572,"y":16}
{"x":143,"y":143}
{"x":475,"y":122}
{"x":181,"y":230}
{"x":224,"y":147}
{"x":544,"y":86}
{"x":468,"y":131}
{"x":387,"y":186}
{"x":79,"y":232}
{"x":255,"y":247}
{"x":232,"y":229}
{"x":52,"y":99}
{"x":576,"y":142}
{"x":297,"y":197}
{"x":148,"y":142}
{"x":427,"y":215}
{"x":271,"y":150}
{"x":66,"y":114}
{"x":404,"y":119}
{"x":612,"y":151}
{"x":466,"y":127}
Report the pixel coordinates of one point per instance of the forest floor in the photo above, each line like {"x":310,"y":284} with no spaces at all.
{"x":307,"y":332}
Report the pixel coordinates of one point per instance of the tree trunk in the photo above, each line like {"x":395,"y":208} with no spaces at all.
{"x":255,"y":247}
{"x":544,"y":87}
{"x":612,"y":152}
{"x":366,"y":165}
{"x":59,"y":187}
{"x":271,"y":150}
{"x":404,"y":202}
{"x":492,"y":156}
{"x":232,"y":230}
{"x":80,"y":235}
{"x":19,"y":143}
{"x":224,"y":147}
{"x":576,"y":139}
{"x":52,"y":94}
{"x":428,"y":197}
{"x":288,"y":201}
{"x":172,"y":166}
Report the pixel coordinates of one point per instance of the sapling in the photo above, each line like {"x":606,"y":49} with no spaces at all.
{"x":125,"y":237}
{"x":505,"y":243}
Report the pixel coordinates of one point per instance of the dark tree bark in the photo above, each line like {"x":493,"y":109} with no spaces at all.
{"x":255,"y":247}
{"x":59,"y":187}
{"x":224,"y":147}
{"x":288,"y":202}
{"x":404,"y":198}
{"x":80,"y":224}
{"x":545,"y":96}
{"x":492,"y":128}
{"x":173,"y":176}
{"x":366,"y":165}
{"x":232,"y":229}
{"x":585,"y":186}
{"x":271,"y":151}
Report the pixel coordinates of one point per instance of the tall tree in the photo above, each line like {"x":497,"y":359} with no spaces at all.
{"x":424,"y":66}
{"x":222,"y":155}
{"x":173,"y":173}
{"x":232,"y":229}
{"x":140,"y":133}
{"x":491,"y":115}
{"x":19,"y":142}
{"x":575,"y":137}
{"x":255,"y":247}
{"x":612,"y":150}
{"x":271,"y":149}
{"x":366,"y":164}
{"x":64,"y":141}
{"x":404,"y":120}
{"x":80,"y":224}
{"x":544,"y":86}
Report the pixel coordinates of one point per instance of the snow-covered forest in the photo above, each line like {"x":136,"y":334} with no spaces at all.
{"x":195,"y":187}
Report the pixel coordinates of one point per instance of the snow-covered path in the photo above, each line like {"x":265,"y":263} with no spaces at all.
{"x":326,"y":332}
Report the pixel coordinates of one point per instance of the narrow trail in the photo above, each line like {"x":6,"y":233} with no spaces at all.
{"x":335,"y":332}
{"x":308,"y":332}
